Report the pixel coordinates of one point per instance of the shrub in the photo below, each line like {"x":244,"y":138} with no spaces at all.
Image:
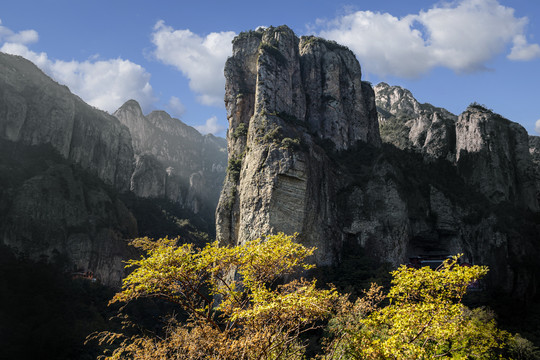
{"x":240,"y":131}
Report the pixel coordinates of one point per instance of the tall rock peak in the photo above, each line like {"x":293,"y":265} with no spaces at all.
{"x":131,"y":105}
{"x":286,"y":97}
{"x":48,"y":205}
{"x":409,"y":124}
{"x":489,"y":151}
{"x":305,"y":155}
{"x":392,"y":100}
{"x":315,"y":82}
{"x":493,"y":153}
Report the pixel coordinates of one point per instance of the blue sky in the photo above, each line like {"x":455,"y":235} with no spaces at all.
{"x":169,"y":55}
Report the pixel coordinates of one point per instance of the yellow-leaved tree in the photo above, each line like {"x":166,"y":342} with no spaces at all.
{"x":423,"y":318}
{"x":237,"y":304}
{"x":235,"y":308}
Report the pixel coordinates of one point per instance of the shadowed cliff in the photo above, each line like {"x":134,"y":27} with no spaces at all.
{"x":68,"y":170}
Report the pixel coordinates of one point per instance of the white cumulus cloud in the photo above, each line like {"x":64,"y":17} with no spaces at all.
{"x":201,"y":59}
{"x":210,"y":127}
{"x":537,"y":126}
{"x":522,"y":50}
{"x":383,"y":43}
{"x":105,"y":84}
{"x":21,"y":37}
{"x":460,"y":35}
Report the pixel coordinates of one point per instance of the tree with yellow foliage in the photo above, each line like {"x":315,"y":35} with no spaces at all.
{"x":239,"y":306}
{"x":423,"y":318}
{"x":235,"y":306}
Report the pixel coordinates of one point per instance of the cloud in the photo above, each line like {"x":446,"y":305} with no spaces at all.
{"x":383,"y":43}
{"x":463,"y":36}
{"x":22,"y":37}
{"x":176,"y":107}
{"x":201,"y":59}
{"x":210,"y":127}
{"x":105,"y":84}
{"x":522,"y":51}
{"x":537,"y":126}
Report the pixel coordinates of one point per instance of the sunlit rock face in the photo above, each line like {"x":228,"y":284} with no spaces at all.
{"x":306,"y":156}
{"x":490,"y":152}
{"x":408,"y":124}
{"x":286,"y":97}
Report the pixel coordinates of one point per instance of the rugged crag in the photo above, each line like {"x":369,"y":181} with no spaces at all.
{"x":35,"y":110}
{"x":174,"y":161}
{"x":534,"y":150}
{"x":50,"y":207}
{"x":67,"y":169}
{"x":490,"y":152}
{"x":286,"y":99}
{"x":408,"y":124}
{"x":306,"y":156}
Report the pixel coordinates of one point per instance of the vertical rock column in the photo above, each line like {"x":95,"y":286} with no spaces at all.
{"x":285,"y":97}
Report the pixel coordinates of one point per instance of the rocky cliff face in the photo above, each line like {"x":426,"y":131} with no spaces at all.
{"x":286,"y":99}
{"x":493,"y":154}
{"x":305,"y":156}
{"x":408,"y":124}
{"x":174,"y":161}
{"x":490,"y":152}
{"x":49,"y":206}
{"x":36,"y":110}
{"x":534,"y":150}
{"x":67,"y":168}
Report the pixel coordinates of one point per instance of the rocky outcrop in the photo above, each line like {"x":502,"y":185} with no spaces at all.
{"x":534,"y":150}
{"x":305,"y":156}
{"x":408,"y":124}
{"x":54,"y":213}
{"x":52,"y":209}
{"x":394,"y":100}
{"x":59,"y":201}
{"x":286,"y":99}
{"x":36,"y":110}
{"x":58,"y":205}
{"x":174,"y":161}
{"x":492,"y":153}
